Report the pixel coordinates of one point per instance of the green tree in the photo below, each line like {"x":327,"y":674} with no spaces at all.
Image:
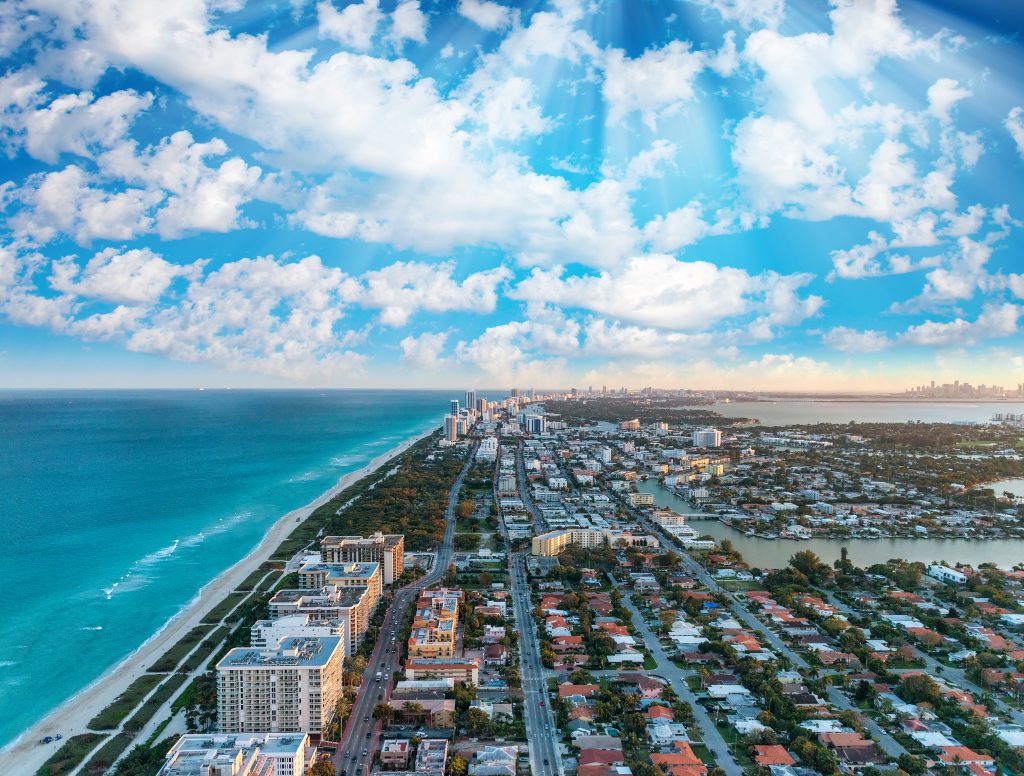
{"x":322,"y":768}
{"x":384,"y":713}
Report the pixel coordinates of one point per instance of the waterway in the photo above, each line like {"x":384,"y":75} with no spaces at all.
{"x":793,"y":412}
{"x":775,"y":553}
{"x":1016,"y":487}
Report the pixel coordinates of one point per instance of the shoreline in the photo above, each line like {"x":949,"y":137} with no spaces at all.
{"x":25,"y":754}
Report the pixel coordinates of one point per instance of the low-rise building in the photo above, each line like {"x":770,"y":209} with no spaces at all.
{"x":230,"y":754}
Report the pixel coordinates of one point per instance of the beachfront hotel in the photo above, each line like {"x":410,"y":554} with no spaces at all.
{"x":316,"y":575}
{"x":347,"y":608}
{"x":230,"y":754}
{"x":292,"y":688}
{"x":386,"y":549}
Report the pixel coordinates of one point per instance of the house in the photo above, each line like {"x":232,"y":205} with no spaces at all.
{"x":963,"y":755}
{"x":681,"y":762}
{"x":768,"y":756}
{"x":495,"y":655}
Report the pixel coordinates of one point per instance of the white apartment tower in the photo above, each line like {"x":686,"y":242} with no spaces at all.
{"x":708,"y":437}
{"x":292,"y":688}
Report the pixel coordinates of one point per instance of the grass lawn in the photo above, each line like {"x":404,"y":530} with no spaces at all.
{"x":173,"y":656}
{"x":109,"y":752}
{"x":67,"y":758}
{"x":221,"y":610}
{"x":110,"y":717}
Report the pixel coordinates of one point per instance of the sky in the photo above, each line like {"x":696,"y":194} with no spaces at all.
{"x":746,"y":194}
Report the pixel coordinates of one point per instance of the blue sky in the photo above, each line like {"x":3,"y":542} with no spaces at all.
{"x":774,"y":194}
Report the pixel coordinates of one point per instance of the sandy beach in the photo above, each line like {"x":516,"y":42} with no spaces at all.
{"x":25,"y":755}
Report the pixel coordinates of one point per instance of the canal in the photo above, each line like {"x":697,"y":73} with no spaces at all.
{"x":775,"y":553}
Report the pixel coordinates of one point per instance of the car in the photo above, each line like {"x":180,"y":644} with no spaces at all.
{"x":380,"y":696}
{"x":542,"y":702}
{"x":366,"y":719}
{"x":369,"y":734}
{"x":364,"y":753}
{"x":547,"y":727}
{"x":545,"y":760}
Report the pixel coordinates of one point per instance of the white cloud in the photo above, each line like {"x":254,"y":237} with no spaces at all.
{"x":677,"y":229}
{"x":136,"y":276}
{"x":1014,"y":124}
{"x":486,"y":14}
{"x":408,"y":22}
{"x":403,"y":288}
{"x":994,"y":322}
{"x":354,"y":26}
{"x":425,"y":352}
{"x":853,"y":341}
{"x":686,"y":296}
{"x":658,"y":83}
{"x":67,"y":201}
{"x":943,"y":95}
{"x":71,"y":123}
{"x":748,"y":13}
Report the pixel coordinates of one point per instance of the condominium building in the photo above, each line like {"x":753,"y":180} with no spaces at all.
{"x":451,"y":428}
{"x":268,"y":633}
{"x":348,"y":607}
{"x":708,"y":437}
{"x":231,"y":754}
{"x":288,"y":689}
{"x":554,"y":542}
{"x":386,"y":549}
{"x":314,"y":576}
{"x":435,"y":624}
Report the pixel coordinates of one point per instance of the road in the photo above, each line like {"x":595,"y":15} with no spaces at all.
{"x":541,"y":730}
{"x":539,"y":523}
{"x":359,"y":740}
{"x":676,"y":677}
{"x":888,"y":744}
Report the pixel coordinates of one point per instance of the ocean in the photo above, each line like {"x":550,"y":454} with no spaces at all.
{"x":116,"y":507}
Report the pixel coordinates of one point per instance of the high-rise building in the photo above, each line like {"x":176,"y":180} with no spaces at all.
{"x":455,"y":407}
{"x":292,"y":688}
{"x":347,"y":608}
{"x":515,"y":393}
{"x":471,"y":400}
{"x":386,"y":549}
{"x":481,"y":406}
{"x":708,"y":437}
{"x":451,"y":428}
{"x":316,"y":576}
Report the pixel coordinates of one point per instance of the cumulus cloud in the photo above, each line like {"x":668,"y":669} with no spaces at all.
{"x":943,"y":95}
{"x":688,"y":296}
{"x":1014,"y":124}
{"x":401,"y":289}
{"x":748,"y":13}
{"x":425,"y":352}
{"x":853,"y":341}
{"x":78,"y":123}
{"x":657,"y":83}
{"x":354,"y":26}
{"x":137,"y":276}
{"x":994,"y":322}
{"x":486,"y":14}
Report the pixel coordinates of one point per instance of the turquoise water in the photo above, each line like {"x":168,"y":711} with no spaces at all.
{"x":117,"y":507}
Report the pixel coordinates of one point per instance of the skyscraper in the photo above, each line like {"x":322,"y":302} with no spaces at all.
{"x":455,"y":407}
{"x":515,"y":393}
{"x":451,"y":428}
{"x":470,"y":400}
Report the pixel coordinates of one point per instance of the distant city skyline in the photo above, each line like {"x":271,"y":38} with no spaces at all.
{"x":733,"y":194}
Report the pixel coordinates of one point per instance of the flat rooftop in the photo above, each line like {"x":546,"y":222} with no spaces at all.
{"x":296,"y":652}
